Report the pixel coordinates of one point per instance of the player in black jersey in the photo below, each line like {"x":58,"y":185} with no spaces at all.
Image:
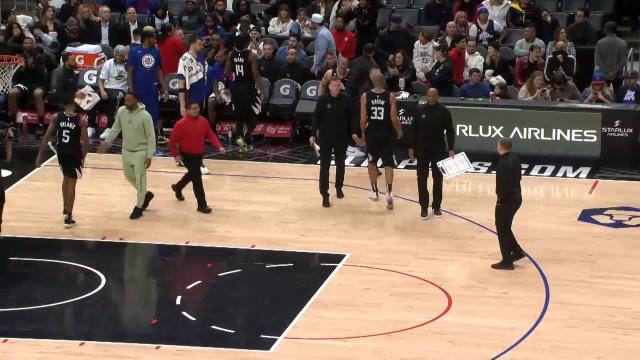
{"x":378,"y":119}
{"x":245,"y":96}
{"x":341,"y":71}
{"x":71,"y":146}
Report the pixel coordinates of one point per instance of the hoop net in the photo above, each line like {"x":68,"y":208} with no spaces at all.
{"x":8,"y":66}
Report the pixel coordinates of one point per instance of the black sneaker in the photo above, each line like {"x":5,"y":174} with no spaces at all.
{"x":147,"y":199}
{"x":518,"y":255}
{"x":205,"y":210}
{"x":503,"y":265}
{"x":68,"y":221}
{"x":424,"y":213}
{"x":437,"y":213}
{"x":325,"y":201}
{"x":136,"y":213}
{"x":339,"y":193}
{"x":177,"y":192}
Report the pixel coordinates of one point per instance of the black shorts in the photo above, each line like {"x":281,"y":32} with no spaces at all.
{"x":70,"y":165}
{"x":380,"y":146}
{"x":246,"y":101}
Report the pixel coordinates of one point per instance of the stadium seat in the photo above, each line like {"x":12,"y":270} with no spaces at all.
{"x":311,"y":48}
{"x":283,"y":101}
{"x":547,"y":4}
{"x":397,"y":3}
{"x":573,"y":5}
{"x":307,"y":103}
{"x":418,"y":87}
{"x":595,"y":19}
{"x":383,"y":18}
{"x":483,"y":51}
{"x":170,"y":109}
{"x":562,"y":17}
{"x":409,"y":16}
{"x":258,"y":8}
{"x":88,"y":77}
{"x":604,"y":6}
{"x":115,"y":17}
{"x":508,"y":55}
{"x":512,"y":91}
{"x":265,"y":92}
{"x":435,"y":30}
{"x":513,"y":35}
{"x":418,"y":4}
{"x":456,"y":91}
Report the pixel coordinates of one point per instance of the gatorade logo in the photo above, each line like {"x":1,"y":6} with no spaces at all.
{"x":90,"y":77}
{"x":285,"y":89}
{"x":173,"y":84}
{"x":80,"y":60}
{"x":312,"y":91}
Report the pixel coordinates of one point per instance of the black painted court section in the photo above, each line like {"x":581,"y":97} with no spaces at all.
{"x":138,"y":303}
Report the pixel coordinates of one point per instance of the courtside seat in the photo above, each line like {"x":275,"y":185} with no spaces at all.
{"x":283,"y":101}
{"x":307,"y":104}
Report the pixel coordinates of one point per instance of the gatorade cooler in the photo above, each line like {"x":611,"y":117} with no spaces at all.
{"x":87,"y":56}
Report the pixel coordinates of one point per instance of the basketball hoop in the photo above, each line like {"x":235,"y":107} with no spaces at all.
{"x":8,"y":66}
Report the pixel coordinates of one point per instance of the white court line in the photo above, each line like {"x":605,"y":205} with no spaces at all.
{"x":188,"y":316}
{"x":229,"y":272}
{"x":103,"y":281}
{"x":269,"y":337}
{"x":178,"y":299}
{"x":329,"y":264}
{"x":194,"y":284}
{"x":278,"y":265}
{"x":31,"y":173}
{"x":304,"y":309}
{"x":223,"y":329}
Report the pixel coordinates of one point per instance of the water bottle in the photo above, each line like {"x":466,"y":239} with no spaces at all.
{"x":229,"y":135}
{"x":401,"y":83}
{"x":559,"y":6}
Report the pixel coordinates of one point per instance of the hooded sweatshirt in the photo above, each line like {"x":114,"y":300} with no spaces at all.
{"x":137,"y":129}
{"x":498,"y":13}
{"x":423,"y":56}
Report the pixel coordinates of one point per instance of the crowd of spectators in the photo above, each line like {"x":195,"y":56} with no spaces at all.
{"x":466,"y":56}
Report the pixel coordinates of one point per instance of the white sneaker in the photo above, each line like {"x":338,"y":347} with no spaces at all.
{"x":373,"y":195}
{"x":105,"y":134}
{"x":179,"y":163}
{"x":162,"y":140}
{"x":204,"y":170}
{"x":91,"y":132}
{"x":389,"y":201}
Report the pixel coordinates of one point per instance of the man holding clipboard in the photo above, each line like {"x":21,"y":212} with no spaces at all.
{"x":432,"y":122}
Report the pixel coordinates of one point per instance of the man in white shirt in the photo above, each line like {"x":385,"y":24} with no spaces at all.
{"x":113,"y":86}
{"x":473,"y":59}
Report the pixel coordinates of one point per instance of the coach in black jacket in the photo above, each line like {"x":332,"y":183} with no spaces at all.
{"x":333,"y":124}
{"x":508,"y":176}
{"x":429,"y":126}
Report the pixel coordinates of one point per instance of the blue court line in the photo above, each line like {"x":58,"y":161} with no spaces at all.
{"x":545,"y":280}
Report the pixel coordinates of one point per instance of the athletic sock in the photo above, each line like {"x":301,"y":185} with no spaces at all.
{"x":374,"y":187}
{"x":389,"y":188}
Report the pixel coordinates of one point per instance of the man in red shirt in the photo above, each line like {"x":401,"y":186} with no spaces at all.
{"x":345,"y":40}
{"x":187,"y":145}
{"x":458,"y":58}
{"x":171,"y":49}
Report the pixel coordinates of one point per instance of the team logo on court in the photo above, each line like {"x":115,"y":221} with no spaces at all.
{"x":148,"y":61}
{"x":616,"y":217}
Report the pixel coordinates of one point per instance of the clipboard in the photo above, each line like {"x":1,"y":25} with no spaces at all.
{"x":451,"y":167}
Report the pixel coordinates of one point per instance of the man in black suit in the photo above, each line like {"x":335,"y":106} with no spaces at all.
{"x":109,"y":31}
{"x":508,"y":176}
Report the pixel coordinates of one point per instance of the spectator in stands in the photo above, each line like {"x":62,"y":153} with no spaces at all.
{"x":293,"y":43}
{"x":534,"y":88}
{"x":244,"y":26}
{"x":360,"y":68}
{"x":281,"y":24}
{"x":64,"y":81}
{"x":395,"y":38}
{"x":113,"y":86}
{"x":629,"y":93}
{"x":191,"y":18}
{"x":501,"y":92}
{"x":473,"y":59}
{"x":437,"y":13}
{"x":525,"y":66}
{"x":130,"y":25}
{"x":458,"y":55}
{"x":218,"y":95}
{"x":89,"y":29}
{"x":523,"y":12}
{"x":486,"y":31}
{"x":341,"y":71}
{"x":611,"y":55}
{"x":209,"y":29}
{"x":324,"y":45}
{"x":293,"y":69}
{"x":581,"y":32}
{"x":71,"y":33}
{"x":243,"y":8}
{"x":344,"y":8}
{"x":475,"y":88}
{"x":548,"y":26}
{"x":322,"y":7}
{"x":598,"y":92}
{"x":17,"y":36}
{"x":345,"y":40}
{"x":69,"y":9}
{"x":142,"y":6}
{"x":563,"y":90}
{"x":423,"y":56}
{"x":179,"y":33}
{"x":462,"y":24}
{"x":469,"y":7}
{"x":449,"y":33}
{"x":50,"y":25}
{"x":305,"y":23}
{"x":561,"y":35}
{"x":171,"y":49}
{"x":30,"y":80}
{"x":255,"y":44}
{"x":331,"y":62}
{"x":223,"y":17}
{"x":268,"y":65}
{"x":160,"y":16}
{"x":498,"y":10}
{"x":400,"y":73}
{"x":366,"y":24}
{"x":441,"y":74}
{"x":109,"y":31}
{"x":523,"y":46}
{"x":137,"y":36}
{"x":561,"y":61}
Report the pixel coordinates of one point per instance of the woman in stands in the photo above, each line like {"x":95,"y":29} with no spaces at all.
{"x":281,"y":24}
{"x":534,"y":89}
{"x":561,"y":35}
{"x":208,"y":30}
{"x":242,"y":8}
{"x":49,"y":24}
{"x":496,"y":69}
{"x":17,"y":36}
{"x":462,"y":24}
{"x":69,"y":10}
{"x":470,"y":7}
{"x":547,"y":27}
{"x":90,"y":32}
{"x":400,"y":67}
{"x":160,"y":17}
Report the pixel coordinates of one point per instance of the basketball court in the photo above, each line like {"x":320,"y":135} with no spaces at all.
{"x":273,"y":275}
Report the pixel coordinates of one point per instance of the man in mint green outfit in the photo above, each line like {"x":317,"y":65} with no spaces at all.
{"x":138,"y":147}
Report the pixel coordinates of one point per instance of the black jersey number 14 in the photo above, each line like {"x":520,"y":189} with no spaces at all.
{"x":239,"y":69}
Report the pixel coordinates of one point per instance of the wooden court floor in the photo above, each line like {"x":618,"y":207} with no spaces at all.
{"x":593,"y":271}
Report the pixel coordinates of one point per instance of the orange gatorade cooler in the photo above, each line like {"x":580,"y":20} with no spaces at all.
{"x":87,"y":56}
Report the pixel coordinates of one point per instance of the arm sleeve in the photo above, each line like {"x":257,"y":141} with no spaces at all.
{"x":115,"y":129}
{"x":151,"y":135}
{"x":211,"y":135}
{"x":448,"y":126}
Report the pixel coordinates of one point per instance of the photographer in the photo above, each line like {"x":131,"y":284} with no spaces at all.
{"x":599,"y":92}
{"x":534,"y":89}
